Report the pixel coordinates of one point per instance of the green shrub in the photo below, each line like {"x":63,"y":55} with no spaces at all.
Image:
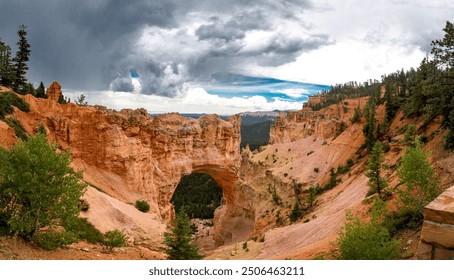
{"x":296,"y":212}
{"x":276,"y":198}
{"x":142,"y":206}
{"x":410,"y":133}
{"x":357,"y":116}
{"x":420,"y":184}
{"x":332,"y":180}
{"x":53,"y":240}
{"x":404,"y":218}
{"x":41,"y":129}
{"x":245,"y":247}
{"x":366,"y":241}
{"x":84,"y":230}
{"x":38,"y":188}
{"x":114,"y":238}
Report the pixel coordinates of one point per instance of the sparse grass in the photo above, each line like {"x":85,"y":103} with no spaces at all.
{"x":8,"y":100}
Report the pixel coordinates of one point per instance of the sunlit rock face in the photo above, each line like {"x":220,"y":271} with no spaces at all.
{"x":132,"y":156}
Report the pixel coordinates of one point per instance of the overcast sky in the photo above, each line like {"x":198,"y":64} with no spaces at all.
{"x":90,"y":47}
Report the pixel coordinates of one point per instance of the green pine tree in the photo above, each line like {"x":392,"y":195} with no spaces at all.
{"x":6,"y":66}
{"x":41,"y":91}
{"x":179,"y":240}
{"x":360,"y":240}
{"x":443,"y":99}
{"x":376,"y":182}
{"x":370,"y":127}
{"x":21,"y":59}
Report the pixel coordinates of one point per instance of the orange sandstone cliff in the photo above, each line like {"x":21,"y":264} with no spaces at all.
{"x":128,"y":156}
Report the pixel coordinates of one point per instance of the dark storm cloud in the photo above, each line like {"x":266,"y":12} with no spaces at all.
{"x":85,"y":44}
{"x":122,"y":84}
{"x":79,"y":42}
{"x":235,"y":28}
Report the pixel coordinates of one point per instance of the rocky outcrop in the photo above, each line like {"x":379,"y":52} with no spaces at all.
{"x":130,"y":155}
{"x":437,"y":235}
{"x":54,"y":91}
{"x":323,"y":124}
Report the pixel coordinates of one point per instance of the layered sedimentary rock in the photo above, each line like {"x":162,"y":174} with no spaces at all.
{"x":437,"y":235}
{"x":130,"y":155}
{"x":323,"y":124}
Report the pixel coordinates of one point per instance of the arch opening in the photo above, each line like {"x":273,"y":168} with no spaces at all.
{"x":234,"y":219}
{"x":199,"y":195}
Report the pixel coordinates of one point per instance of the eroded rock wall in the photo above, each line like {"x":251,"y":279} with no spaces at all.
{"x":322,"y":124}
{"x":130,"y":155}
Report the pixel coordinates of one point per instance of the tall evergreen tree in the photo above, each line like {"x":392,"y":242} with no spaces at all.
{"x":370,"y":127}
{"x":179,"y":240}
{"x":392,"y":105}
{"x":41,"y":91}
{"x":21,"y":59}
{"x":443,"y":51}
{"x":28,"y":88}
{"x":6,"y":67}
{"x":419,"y":91}
{"x":376,"y":182}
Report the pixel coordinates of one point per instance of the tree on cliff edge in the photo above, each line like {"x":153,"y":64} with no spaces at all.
{"x":179,"y":240}
{"x":21,"y":59}
{"x":6,"y":66}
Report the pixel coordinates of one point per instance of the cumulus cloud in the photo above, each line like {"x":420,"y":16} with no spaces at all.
{"x":195,"y":101}
{"x":92,"y":45}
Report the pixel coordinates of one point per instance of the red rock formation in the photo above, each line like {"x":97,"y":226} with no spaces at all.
{"x":322,"y":124}
{"x":54,"y":91}
{"x":131,"y":156}
{"x":7,"y":136}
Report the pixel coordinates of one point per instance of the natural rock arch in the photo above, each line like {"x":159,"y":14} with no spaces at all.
{"x":132,"y":156}
{"x":234,"y":220}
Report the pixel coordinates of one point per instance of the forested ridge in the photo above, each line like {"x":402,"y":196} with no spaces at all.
{"x":425,"y":92}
